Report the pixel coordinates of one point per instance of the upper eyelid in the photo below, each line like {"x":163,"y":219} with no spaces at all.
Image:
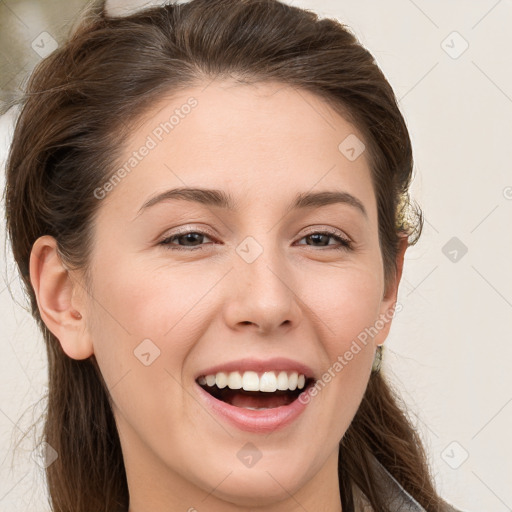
{"x":193,"y":229}
{"x":184,"y":231}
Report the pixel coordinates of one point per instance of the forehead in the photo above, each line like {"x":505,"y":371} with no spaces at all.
{"x":269,"y":137}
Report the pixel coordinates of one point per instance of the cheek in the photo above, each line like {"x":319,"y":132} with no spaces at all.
{"x":346,"y":303}
{"x":152,"y":302}
{"x":147,"y":317}
{"x":346,"y":308}
{"x":141,"y":335}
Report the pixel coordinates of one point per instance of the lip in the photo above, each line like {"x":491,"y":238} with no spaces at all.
{"x":262,"y":421}
{"x":259,"y":365}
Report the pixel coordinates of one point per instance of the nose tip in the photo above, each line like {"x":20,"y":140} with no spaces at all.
{"x":264,"y":301}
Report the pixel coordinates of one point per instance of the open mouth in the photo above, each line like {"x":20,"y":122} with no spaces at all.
{"x":256,"y":399}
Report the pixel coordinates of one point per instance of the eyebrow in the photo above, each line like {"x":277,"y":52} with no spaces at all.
{"x":221,"y":199}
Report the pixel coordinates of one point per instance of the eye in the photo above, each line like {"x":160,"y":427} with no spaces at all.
{"x":192,"y":240}
{"x":323,"y":236}
{"x":187,"y":237}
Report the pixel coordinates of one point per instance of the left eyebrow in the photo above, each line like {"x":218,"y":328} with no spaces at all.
{"x":221,"y":199}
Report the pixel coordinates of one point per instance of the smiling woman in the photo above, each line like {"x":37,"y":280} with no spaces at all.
{"x":214,"y":314}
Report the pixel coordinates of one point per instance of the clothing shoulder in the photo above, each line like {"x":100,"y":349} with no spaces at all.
{"x":394,"y":495}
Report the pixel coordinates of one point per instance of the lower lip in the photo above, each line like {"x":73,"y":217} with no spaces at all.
{"x":259,"y":421}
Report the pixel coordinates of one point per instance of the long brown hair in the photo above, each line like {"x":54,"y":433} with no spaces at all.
{"x":79,"y":106}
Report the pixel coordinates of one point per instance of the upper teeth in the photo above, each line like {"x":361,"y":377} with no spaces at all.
{"x":251,"y":381}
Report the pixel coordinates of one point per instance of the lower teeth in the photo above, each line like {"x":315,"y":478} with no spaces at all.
{"x":256,"y":408}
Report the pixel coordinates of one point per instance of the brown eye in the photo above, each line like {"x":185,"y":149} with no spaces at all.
{"x":188,"y":239}
{"x":323,"y":237}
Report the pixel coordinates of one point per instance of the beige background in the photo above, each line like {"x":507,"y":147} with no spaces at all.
{"x":450,"y":350}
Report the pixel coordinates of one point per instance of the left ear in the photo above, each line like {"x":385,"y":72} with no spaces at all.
{"x":388,"y":304}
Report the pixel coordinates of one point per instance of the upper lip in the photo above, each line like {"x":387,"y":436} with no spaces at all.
{"x":259,"y":365}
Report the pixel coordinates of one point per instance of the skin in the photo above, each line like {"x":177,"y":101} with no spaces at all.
{"x":301,"y":298}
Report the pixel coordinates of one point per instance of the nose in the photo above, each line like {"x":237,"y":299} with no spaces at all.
{"x":263,"y":295}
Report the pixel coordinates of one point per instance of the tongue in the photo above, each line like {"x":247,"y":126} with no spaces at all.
{"x":257,"y":399}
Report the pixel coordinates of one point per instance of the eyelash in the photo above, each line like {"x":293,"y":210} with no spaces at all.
{"x":345,"y":244}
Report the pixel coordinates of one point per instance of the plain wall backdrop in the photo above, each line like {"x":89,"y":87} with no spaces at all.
{"x":449,"y":351}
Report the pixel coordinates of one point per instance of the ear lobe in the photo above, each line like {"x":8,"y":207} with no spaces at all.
{"x":54,"y":288}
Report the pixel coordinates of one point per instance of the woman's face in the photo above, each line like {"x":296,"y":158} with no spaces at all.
{"x":256,"y":286}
